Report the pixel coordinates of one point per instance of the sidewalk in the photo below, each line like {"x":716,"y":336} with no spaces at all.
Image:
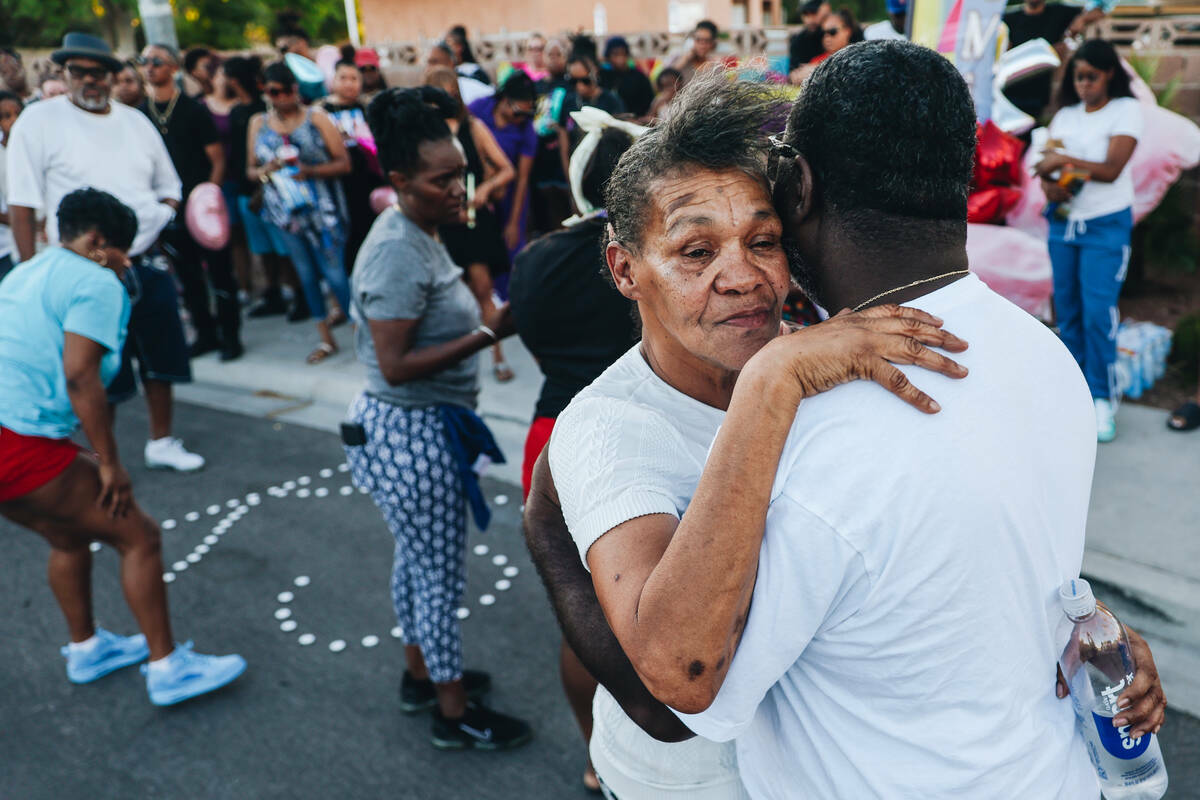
{"x":272,"y":380}
{"x":1143,"y":538}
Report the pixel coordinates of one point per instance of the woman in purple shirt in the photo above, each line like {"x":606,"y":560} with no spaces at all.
{"x":509,"y":115}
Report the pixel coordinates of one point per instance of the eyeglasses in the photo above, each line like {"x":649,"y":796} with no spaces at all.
{"x":586,"y":80}
{"x":831,"y":31}
{"x":79,"y":72}
{"x":276,"y":91}
{"x":368,"y":68}
{"x":153,"y":61}
{"x":518,"y":111}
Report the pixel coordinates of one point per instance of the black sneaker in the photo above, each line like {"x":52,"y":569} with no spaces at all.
{"x":479,"y":728}
{"x":232,"y":352}
{"x":416,"y":696}
{"x":204,"y":345}
{"x":270,"y":305}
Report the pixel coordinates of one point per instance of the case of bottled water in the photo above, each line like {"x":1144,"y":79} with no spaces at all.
{"x":1098,"y":666}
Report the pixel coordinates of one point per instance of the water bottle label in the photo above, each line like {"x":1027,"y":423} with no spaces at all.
{"x":1116,"y":740}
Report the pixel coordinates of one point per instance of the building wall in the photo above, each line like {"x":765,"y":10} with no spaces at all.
{"x":407,"y":20}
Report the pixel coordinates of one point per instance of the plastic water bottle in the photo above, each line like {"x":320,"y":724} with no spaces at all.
{"x":1098,"y":667}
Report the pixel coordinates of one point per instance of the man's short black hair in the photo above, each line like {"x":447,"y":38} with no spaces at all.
{"x":708,"y":25}
{"x":170,"y":50}
{"x":85,"y":210}
{"x":193,"y":57}
{"x":887,"y":126}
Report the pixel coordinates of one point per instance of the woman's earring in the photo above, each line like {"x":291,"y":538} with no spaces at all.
{"x":99,"y":256}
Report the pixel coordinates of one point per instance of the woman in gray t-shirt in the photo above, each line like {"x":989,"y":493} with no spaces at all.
{"x":418,"y":334}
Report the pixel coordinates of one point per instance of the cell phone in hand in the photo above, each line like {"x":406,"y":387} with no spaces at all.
{"x":353,"y":434}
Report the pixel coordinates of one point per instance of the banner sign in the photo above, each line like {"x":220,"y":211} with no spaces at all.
{"x":966,"y":32}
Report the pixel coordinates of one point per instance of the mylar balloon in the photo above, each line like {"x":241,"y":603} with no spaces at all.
{"x":207,"y":217}
{"x":381,"y":198}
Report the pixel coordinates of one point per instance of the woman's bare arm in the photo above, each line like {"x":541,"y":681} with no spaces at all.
{"x":676,"y":592}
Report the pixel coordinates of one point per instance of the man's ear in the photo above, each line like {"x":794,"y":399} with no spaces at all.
{"x":620,"y":265}
{"x":793,"y":196}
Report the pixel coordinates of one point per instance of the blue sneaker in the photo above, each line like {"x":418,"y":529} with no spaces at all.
{"x":110,"y":653}
{"x":190,"y":674}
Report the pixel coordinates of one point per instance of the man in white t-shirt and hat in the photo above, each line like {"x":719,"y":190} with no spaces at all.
{"x":83,"y":139}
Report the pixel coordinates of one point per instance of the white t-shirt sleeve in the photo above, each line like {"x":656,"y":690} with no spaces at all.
{"x":24,"y":158}
{"x":809,"y":579}
{"x":613,"y":461}
{"x":1128,"y":120}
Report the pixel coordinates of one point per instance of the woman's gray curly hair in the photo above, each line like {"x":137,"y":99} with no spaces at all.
{"x":716,"y":123}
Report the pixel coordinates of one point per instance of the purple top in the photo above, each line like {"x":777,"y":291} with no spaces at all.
{"x":516,"y":141}
{"x":224,"y":131}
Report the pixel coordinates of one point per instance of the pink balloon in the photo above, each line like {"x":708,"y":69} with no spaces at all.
{"x":327,"y":56}
{"x":1013,"y":264}
{"x":207,"y":217}
{"x":381,"y":198}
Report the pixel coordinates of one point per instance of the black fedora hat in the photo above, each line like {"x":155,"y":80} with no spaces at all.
{"x":83,"y":45}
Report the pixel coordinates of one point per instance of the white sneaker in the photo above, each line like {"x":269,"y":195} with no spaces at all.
{"x":169,"y":453}
{"x":1106,"y":425}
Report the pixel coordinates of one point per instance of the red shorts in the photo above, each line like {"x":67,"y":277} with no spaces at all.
{"x":30,"y":462}
{"x":539,"y":435}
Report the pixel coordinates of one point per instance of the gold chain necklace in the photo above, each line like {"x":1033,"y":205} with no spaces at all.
{"x":866,"y":303}
{"x":163,"y":119}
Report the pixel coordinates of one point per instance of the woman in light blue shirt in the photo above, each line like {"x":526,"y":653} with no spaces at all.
{"x":63,"y":316}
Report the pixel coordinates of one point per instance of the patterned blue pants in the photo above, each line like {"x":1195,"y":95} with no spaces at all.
{"x":413,"y":480}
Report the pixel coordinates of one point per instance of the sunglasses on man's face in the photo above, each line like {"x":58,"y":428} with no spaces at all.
{"x":586,"y":80}
{"x":79,"y":72}
{"x":831,"y":31}
{"x":276,"y":91}
{"x":153,"y":61}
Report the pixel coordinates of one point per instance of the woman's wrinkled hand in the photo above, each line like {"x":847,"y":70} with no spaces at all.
{"x":866,"y":345}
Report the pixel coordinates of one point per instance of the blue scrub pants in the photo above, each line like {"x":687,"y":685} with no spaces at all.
{"x":1090,"y":259}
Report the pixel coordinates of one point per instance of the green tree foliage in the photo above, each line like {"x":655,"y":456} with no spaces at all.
{"x":224,"y":24}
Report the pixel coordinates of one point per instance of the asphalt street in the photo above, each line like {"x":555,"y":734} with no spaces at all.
{"x":305,"y":720}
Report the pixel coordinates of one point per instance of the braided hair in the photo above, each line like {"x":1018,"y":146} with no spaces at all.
{"x":402,"y":119}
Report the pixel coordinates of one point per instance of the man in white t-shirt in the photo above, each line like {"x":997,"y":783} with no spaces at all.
{"x":894,"y":27}
{"x":905,"y":623}
{"x":81,"y":140}
{"x":631,"y":448}
{"x":903,"y":628}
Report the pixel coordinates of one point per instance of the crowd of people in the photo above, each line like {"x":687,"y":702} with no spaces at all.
{"x":833,"y":603}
